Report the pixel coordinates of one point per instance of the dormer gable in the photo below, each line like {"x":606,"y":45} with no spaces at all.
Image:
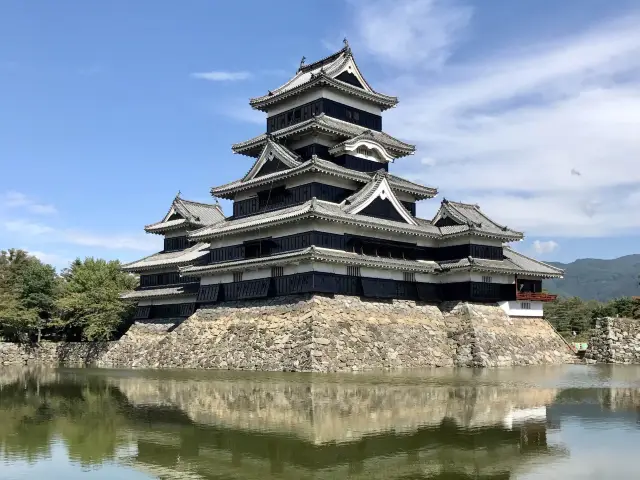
{"x":274,"y":158}
{"x":185,"y":214}
{"x":364,"y":146}
{"x":377,"y":199}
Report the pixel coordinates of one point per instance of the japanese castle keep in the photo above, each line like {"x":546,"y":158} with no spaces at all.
{"x":320,"y":217}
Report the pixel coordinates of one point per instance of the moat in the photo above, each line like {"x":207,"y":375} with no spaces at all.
{"x":565,"y":422}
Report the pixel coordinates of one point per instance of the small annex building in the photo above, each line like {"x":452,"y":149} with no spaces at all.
{"x":319,"y":211}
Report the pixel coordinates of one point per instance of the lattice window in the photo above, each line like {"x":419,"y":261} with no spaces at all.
{"x":487,"y":279}
{"x":237,"y":276}
{"x":525,"y":305}
{"x":409,"y":276}
{"x":353,"y":271}
{"x":142,"y":312}
{"x":277,"y":271}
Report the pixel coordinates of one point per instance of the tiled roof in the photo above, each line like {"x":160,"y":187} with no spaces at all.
{"x":513,"y":262}
{"x":329,"y":168}
{"x":168,"y":259}
{"x":313,"y":209}
{"x":161,"y":227}
{"x":186,"y":289}
{"x":329,"y":124}
{"x":471,"y":215}
{"x":314,"y":254}
{"x":325,"y":72}
{"x":193,"y":214}
{"x":530,"y":264}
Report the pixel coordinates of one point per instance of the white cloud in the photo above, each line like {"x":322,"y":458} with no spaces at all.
{"x":544,"y":247}
{"x":26,"y":229}
{"x":13,"y":199}
{"x":415,"y":33}
{"x":221,"y":76}
{"x":508,"y":130}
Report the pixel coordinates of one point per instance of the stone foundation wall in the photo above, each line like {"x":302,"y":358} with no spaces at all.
{"x":615,"y":340}
{"x":326,"y":334}
{"x":53,"y":353}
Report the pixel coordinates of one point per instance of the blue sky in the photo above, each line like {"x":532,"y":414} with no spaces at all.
{"x":107,"y":109}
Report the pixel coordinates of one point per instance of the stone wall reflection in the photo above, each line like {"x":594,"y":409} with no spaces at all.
{"x":181,"y":425}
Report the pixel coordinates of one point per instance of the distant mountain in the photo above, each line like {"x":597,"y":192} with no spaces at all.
{"x":603,"y":280}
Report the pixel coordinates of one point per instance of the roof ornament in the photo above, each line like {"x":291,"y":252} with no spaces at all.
{"x":270,"y":93}
{"x":471,"y":259}
{"x":346,"y":45}
{"x":178,"y":194}
{"x":302,"y":62}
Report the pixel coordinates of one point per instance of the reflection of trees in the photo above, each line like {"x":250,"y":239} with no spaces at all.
{"x":92,"y":417}
{"x":85,"y":417}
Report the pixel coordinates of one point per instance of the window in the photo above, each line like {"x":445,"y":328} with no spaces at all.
{"x":237,"y":276}
{"x":356,"y":116}
{"x":525,"y":305}
{"x":277,"y":271}
{"x":486,"y":279}
{"x":353,"y":271}
{"x":409,"y":276}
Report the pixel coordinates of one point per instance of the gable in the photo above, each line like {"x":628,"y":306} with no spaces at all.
{"x":350,"y":78}
{"x":446,"y":222}
{"x":382,"y":209}
{"x":377,"y":199}
{"x":271,"y":166}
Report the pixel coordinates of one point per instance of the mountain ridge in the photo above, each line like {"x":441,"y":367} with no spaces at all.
{"x":597,"y":279}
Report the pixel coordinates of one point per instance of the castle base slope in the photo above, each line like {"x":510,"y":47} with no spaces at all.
{"x":326,"y":334}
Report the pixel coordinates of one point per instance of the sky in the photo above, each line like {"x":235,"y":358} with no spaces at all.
{"x":530,"y":109}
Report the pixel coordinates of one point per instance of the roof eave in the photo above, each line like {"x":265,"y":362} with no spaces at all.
{"x":384,"y":101}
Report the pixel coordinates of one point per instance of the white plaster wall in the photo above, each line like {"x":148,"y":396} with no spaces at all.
{"x":465,"y":239}
{"x":167,"y":300}
{"x":331,"y":94}
{"x":176,"y":233}
{"x":514,"y":309}
{"x":454,"y":277}
{"x":495,"y":278}
{"x":317,"y":267}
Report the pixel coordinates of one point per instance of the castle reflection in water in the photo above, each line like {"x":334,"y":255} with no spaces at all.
{"x":440,"y":425}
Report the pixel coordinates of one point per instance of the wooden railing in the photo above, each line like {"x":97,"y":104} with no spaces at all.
{"x":536,"y":296}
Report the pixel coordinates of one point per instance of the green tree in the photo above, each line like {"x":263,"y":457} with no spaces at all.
{"x":90,"y":297}
{"x":28,"y":289}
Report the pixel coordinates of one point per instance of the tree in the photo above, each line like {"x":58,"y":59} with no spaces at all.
{"x":90,"y":298}
{"x":27,"y":294}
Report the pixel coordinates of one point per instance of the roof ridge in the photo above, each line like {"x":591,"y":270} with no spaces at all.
{"x":199,"y":203}
{"x":323,"y":61}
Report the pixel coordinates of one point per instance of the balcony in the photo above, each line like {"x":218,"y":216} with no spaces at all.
{"x":536,"y":296}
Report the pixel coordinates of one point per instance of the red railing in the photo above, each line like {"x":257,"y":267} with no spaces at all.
{"x":538,"y":296}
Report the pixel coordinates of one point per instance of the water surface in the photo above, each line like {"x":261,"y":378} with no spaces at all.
{"x":567,"y":422}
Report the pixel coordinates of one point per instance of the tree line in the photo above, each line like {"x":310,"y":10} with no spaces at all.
{"x":81,"y":303}
{"x":569,"y":315}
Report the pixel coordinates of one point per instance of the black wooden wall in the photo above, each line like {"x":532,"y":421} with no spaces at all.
{"x":322,"y":282}
{"x":332,"y":108}
{"x":281,"y":197}
{"x":353,"y":243}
